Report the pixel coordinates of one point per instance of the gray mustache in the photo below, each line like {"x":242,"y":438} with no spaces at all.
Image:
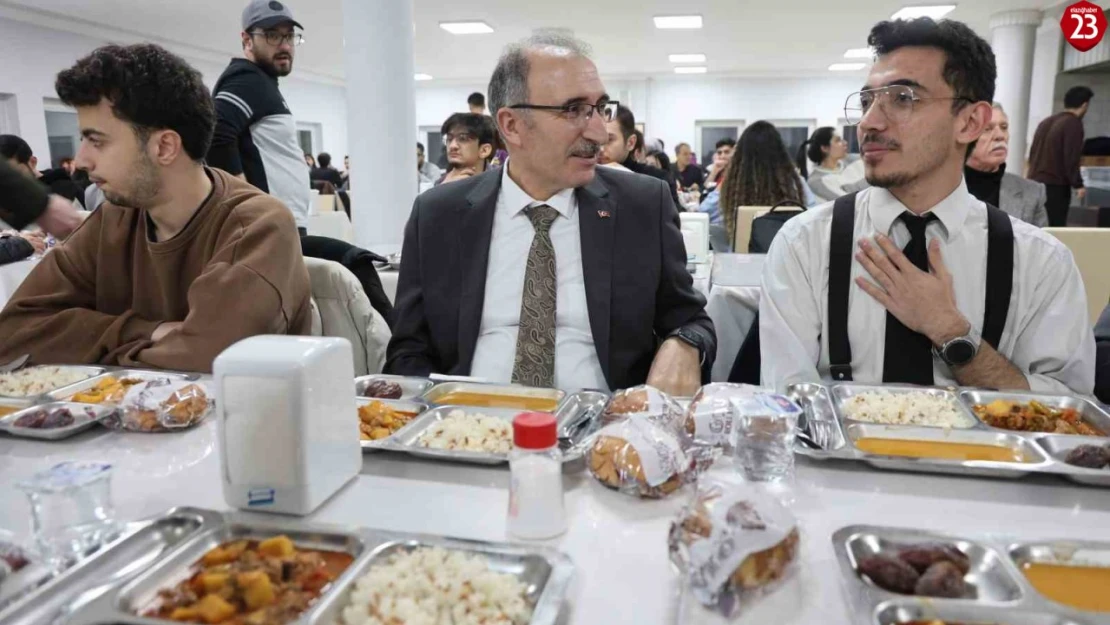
{"x":586,"y":150}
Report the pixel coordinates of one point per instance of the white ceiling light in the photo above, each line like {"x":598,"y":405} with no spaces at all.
{"x":846,"y":67}
{"x":466,"y":28}
{"x":935,"y":11}
{"x":859,"y":53}
{"x":687,"y":58}
{"x":691,"y":70}
{"x":677,"y":21}
{"x":422,"y":77}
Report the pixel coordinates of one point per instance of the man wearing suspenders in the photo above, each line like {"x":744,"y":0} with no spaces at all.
{"x":914,"y":280}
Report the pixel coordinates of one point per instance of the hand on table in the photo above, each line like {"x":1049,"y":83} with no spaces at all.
{"x":60,"y":218}
{"x":676,"y":369}
{"x":162,"y":330}
{"x":924,"y":302}
{"x":36,"y":239}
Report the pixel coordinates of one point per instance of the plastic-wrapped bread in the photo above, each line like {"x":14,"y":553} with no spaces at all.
{"x":161,"y":405}
{"x":710,"y":417}
{"x":645,"y":402}
{"x":732,"y":542}
{"x":639,"y":457}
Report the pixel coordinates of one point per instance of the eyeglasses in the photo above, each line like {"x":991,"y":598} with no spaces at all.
{"x":579,"y":112}
{"x":275,"y":38}
{"x":461,"y":137}
{"x":896,"y":102}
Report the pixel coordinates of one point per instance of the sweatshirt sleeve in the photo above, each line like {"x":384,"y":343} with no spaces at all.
{"x":258,"y":261}
{"x":22,"y":200}
{"x":53,"y":316}
{"x":236,"y":103}
{"x":13,"y":249}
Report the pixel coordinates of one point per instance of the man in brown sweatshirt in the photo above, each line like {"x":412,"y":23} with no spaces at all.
{"x":1055,"y":153}
{"x":182,"y":260}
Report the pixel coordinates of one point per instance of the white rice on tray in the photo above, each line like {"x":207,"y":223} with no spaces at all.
{"x":435,"y":586}
{"x":469,"y":432}
{"x":909,"y":408}
{"x":38,"y":380}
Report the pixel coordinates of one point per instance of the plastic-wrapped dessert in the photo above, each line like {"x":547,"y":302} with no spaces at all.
{"x":639,"y":457}
{"x":732,"y":543}
{"x":710,"y":417}
{"x":645,"y":402}
{"x":161,"y":406}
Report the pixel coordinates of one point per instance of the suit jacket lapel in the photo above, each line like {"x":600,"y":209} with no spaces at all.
{"x":1009,"y":195}
{"x":597,"y":222}
{"x":472,"y":257}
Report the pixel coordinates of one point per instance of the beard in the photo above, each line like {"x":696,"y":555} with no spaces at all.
{"x":145,"y":186}
{"x":931,"y":157}
{"x":270,"y":67}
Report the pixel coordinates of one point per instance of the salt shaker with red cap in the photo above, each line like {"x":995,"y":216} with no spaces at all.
{"x":536,"y":507}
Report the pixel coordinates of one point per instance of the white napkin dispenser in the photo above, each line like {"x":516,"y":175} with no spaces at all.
{"x":287,"y":422}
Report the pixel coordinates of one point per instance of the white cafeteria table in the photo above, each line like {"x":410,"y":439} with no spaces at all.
{"x":618,"y":543}
{"x":12,"y":275}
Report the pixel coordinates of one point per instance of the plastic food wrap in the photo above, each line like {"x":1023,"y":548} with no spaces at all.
{"x":711,"y":415}
{"x":161,"y":406}
{"x":639,"y":457}
{"x":732,"y":543}
{"x":645,"y":402}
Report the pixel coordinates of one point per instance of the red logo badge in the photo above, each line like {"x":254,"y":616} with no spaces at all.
{"x":1083,"y":24}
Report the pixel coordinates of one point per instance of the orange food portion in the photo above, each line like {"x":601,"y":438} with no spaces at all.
{"x":110,"y":390}
{"x":938,"y":450}
{"x":484,"y":400}
{"x":5,"y":410}
{"x":1082,"y":587}
{"x":377,"y":421}
{"x":1034,"y":417}
{"x":248,"y":582}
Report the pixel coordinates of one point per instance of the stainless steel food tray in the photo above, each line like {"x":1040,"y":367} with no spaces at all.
{"x":577,"y":416}
{"x":65,"y":393}
{"x":998,"y":591}
{"x":140,"y":544}
{"x":411,"y":388}
{"x":844,"y":391}
{"x":835,"y":435}
{"x":415,"y":406}
{"x":437,"y":392}
{"x":85,"y":416}
{"x":90,"y":372}
{"x":545,"y":572}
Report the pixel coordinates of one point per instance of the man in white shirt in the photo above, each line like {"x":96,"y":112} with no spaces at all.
{"x":933,"y":269}
{"x":550,"y":271}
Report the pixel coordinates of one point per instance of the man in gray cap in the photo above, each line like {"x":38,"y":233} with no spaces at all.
{"x":256,"y":136}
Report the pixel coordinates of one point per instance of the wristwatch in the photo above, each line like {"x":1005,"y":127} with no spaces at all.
{"x":690,"y":338}
{"x":960,"y":350}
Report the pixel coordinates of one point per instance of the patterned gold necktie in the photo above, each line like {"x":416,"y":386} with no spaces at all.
{"x":534,"y":364}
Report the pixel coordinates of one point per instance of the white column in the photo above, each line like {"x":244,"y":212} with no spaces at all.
{"x":381,"y":119}
{"x":1047,"y":60}
{"x":1012,"y":37}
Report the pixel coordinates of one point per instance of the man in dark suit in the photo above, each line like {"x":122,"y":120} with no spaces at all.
{"x":550,"y":271}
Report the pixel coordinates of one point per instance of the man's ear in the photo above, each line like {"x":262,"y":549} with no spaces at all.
{"x":975,"y":118}
{"x":485,"y":150}
{"x":630,"y":144}
{"x":510,"y":123}
{"x":34,"y":162}
{"x":166,"y":145}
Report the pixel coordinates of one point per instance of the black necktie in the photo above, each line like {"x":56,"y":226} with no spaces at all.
{"x":908,"y":356}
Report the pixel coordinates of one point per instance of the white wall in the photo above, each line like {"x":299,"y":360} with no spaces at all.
{"x":669,"y":107}
{"x":31,"y":57}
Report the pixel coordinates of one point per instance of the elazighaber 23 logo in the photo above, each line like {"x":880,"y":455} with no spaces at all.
{"x":1083,"y":24}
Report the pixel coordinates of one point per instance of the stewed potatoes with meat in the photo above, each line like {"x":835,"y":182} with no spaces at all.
{"x":1034,"y":417}
{"x":377,"y":421}
{"x":249,"y":582}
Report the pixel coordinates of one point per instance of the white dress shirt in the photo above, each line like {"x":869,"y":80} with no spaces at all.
{"x":576,"y":362}
{"x":1047,"y":335}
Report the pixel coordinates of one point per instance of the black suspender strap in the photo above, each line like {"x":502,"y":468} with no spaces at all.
{"x":1000,"y":274}
{"x":841,"y":244}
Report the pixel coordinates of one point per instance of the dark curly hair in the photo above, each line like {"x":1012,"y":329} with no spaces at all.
{"x":759,"y":174}
{"x":148,"y":87}
{"x":969,"y":61}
